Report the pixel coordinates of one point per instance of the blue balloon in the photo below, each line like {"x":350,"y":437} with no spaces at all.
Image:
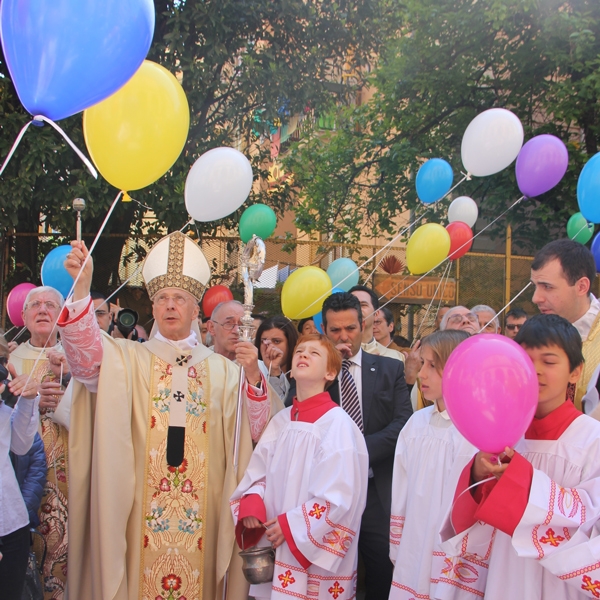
{"x":343,"y":273}
{"x":588,"y":190}
{"x":336,"y":290}
{"x":66,"y":55}
{"x":54,"y":273}
{"x":318,"y":321}
{"x":434,"y":180}
{"x":596,"y":251}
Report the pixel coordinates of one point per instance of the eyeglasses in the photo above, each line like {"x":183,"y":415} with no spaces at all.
{"x":178,"y":299}
{"x":514,"y":326}
{"x":456,"y":319}
{"x":228,"y":325}
{"x":48,"y":305}
{"x":101,"y":313}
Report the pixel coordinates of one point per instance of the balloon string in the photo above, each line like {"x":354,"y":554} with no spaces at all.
{"x":506,"y":306}
{"x":14,"y":146}
{"x":442,"y":280}
{"x":7,"y":332}
{"x":19,"y":334}
{"x":110,"y":211}
{"x":79,"y":153}
{"x":448,"y":258}
{"x":464,"y":491}
{"x":38,"y":118}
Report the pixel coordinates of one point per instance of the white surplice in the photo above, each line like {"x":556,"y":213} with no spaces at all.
{"x":562,"y":509}
{"x":316,"y":474}
{"x":430,"y":455}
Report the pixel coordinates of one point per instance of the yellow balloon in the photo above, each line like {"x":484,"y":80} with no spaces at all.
{"x":427,"y":247}
{"x":304,"y":292}
{"x":135,"y":135}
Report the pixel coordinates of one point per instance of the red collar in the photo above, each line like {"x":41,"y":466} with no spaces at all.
{"x":312,"y":409}
{"x":552,"y":426}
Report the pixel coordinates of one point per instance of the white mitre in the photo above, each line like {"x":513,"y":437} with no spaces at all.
{"x":176,"y":261}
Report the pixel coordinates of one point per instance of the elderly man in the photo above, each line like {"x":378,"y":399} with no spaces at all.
{"x":40,"y":312}
{"x":460,"y":317}
{"x":223,"y":327}
{"x":369,"y":305}
{"x":151,"y":512}
{"x":562,"y":273}
{"x":515,"y":319}
{"x":488,"y":320}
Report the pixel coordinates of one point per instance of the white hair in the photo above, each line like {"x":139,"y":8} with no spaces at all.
{"x":41,"y":289}
{"x":448,"y":314}
{"x":219,"y":306}
{"x":481,"y":308}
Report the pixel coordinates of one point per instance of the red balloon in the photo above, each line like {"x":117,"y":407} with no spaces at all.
{"x":461,"y":239}
{"x":213,"y":296}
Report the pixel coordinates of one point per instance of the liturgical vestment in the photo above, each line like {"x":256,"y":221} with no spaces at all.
{"x":141,"y":528}
{"x":53,"y":512}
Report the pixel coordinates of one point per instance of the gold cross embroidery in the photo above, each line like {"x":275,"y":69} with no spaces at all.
{"x":317,"y":511}
{"x":591,"y":586}
{"x":551,"y":538}
{"x":286,"y":579}
{"x":335,"y":590}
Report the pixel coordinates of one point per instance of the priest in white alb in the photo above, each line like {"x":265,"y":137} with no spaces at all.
{"x":151,"y":442}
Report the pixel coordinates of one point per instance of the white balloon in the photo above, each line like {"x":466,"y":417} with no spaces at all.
{"x":491,"y":142}
{"x":463,"y":209}
{"x":218,"y":184}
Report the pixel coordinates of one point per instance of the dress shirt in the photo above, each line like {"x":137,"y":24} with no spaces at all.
{"x":584,"y":325}
{"x":17,"y":430}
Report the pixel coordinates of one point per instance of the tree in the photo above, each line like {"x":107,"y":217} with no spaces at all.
{"x":452,"y":60}
{"x":243,"y":65}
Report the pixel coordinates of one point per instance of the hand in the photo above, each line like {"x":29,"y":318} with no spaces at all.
{"x":251,"y":523}
{"x":51,"y":392}
{"x":273,"y":357}
{"x":413,"y":364}
{"x":486,"y":465}
{"x":73,"y":264}
{"x":345,"y":350}
{"x":246,"y":355}
{"x":20,"y":386}
{"x":57,"y":361}
{"x":12,"y":346}
{"x":274,"y":533}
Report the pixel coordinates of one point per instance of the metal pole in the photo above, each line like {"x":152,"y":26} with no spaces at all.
{"x":507,"y":273}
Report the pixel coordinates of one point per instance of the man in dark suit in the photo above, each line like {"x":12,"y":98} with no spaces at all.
{"x":376,"y":397}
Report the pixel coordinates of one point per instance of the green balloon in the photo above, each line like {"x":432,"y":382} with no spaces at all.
{"x":578,"y":228}
{"x":258,"y":220}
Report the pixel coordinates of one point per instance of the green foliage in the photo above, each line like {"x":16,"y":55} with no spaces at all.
{"x":452,"y":60}
{"x":244,"y":65}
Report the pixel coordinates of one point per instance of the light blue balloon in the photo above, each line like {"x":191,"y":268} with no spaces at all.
{"x":318,"y":321}
{"x":588,"y":190}
{"x":434,"y":180}
{"x":54,"y":273}
{"x":340,"y":269}
{"x":66,"y":55}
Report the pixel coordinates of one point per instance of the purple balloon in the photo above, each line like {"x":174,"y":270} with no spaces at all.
{"x":490,"y":388}
{"x":541,"y":164}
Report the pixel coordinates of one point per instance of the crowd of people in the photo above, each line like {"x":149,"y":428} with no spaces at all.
{"x":148,"y":467}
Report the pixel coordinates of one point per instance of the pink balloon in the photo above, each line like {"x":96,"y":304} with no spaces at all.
{"x":490,"y":389}
{"x":16,"y":301}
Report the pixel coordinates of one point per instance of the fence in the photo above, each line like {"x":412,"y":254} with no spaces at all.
{"x":476,"y":278}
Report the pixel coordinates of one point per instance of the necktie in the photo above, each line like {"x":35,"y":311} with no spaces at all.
{"x":350,"y":401}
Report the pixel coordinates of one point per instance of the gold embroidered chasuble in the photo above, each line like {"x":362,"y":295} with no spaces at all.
{"x":591,"y":354}
{"x":139,"y":528}
{"x":53,"y":511}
